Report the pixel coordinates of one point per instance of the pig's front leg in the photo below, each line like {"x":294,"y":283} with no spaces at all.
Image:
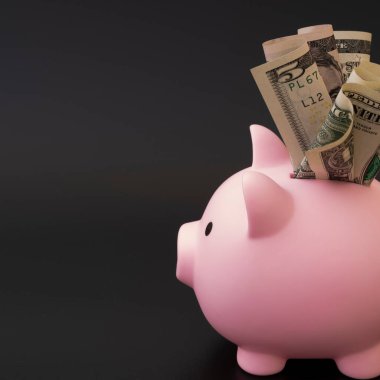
{"x":258,"y":363}
{"x":361,"y":365}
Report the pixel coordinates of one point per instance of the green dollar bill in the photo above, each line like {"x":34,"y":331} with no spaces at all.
{"x":294,"y":93}
{"x":323,"y":48}
{"x":331,"y":154}
{"x":354,"y":48}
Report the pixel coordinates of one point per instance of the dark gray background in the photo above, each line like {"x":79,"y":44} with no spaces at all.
{"x":118,"y":121}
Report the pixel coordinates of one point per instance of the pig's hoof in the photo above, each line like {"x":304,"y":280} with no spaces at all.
{"x":259,"y":364}
{"x":362,"y":365}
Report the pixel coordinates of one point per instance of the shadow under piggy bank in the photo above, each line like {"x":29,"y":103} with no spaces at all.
{"x":288,"y":268}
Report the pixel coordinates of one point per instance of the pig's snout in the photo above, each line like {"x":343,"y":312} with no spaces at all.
{"x":187,"y":238}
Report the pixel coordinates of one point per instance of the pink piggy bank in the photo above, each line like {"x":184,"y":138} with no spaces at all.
{"x":288,"y":268}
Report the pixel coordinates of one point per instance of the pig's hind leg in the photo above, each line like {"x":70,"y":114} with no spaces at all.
{"x":257,"y":363}
{"x":361,"y":365}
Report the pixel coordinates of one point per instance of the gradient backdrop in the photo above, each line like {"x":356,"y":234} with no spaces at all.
{"x":119,"y":119}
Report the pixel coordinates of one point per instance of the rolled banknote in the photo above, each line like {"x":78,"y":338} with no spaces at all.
{"x":363,"y":90}
{"x":368,"y":74}
{"x":321,"y":41}
{"x":354,"y":48}
{"x":331,"y":155}
{"x":323,"y":48}
{"x":294,"y":93}
{"x":347,"y":146}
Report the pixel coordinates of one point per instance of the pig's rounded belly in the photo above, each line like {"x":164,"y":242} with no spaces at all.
{"x":296,"y":330}
{"x":302,"y":311}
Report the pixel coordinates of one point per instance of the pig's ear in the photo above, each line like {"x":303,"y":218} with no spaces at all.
{"x":268,"y":205}
{"x":268,"y":149}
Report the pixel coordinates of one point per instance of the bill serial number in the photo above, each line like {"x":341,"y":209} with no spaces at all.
{"x":302,"y":82}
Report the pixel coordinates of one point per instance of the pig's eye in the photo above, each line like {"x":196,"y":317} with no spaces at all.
{"x":208,"y":229}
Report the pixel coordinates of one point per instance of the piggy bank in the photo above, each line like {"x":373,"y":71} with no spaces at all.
{"x":288,"y":268}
